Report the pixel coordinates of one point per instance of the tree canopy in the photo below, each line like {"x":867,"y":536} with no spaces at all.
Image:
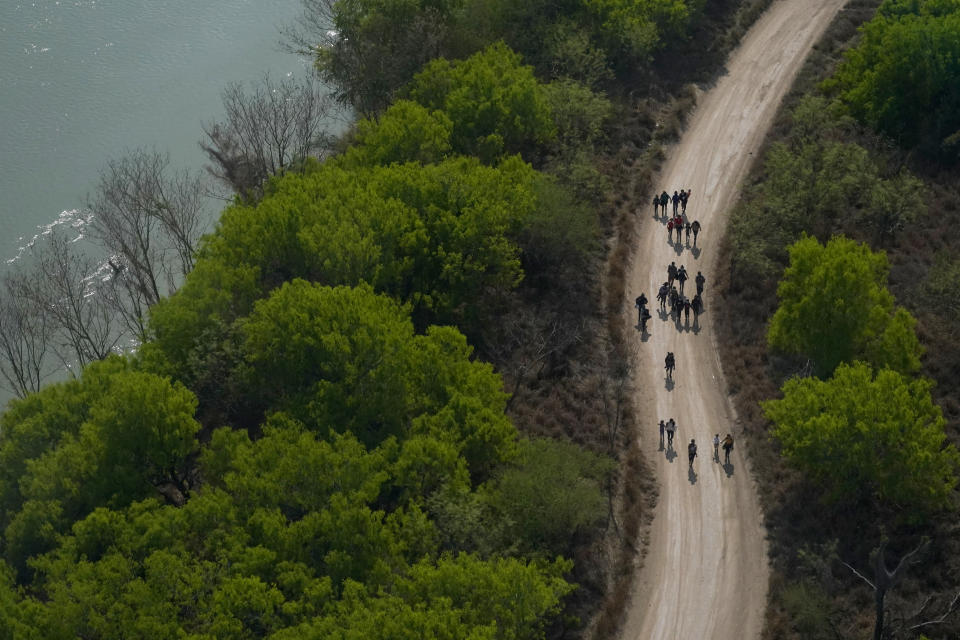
{"x":835,"y":307}
{"x":903,"y":79}
{"x":866,"y":433}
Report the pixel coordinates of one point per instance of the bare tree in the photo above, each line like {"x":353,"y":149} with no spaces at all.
{"x":151,"y":218}
{"x":885,"y":579}
{"x":24,"y":336}
{"x":66,"y":288}
{"x":266,"y":132}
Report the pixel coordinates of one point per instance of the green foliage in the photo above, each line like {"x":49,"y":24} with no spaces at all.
{"x":835,"y":307}
{"x":496,"y":104}
{"x":295,"y":536}
{"x":370,"y":48}
{"x":349,"y":359}
{"x":941,"y":287}
{"x":636,"y":28}
{"x":550,"y":495}
{"x":904,"y":77}
{"x":406,"y":132}
{"x":809,"y":609}
{"x":435,"y":236}
{"x":813,"y":182}
{"x":128,"y":433}
{"x":865,"y":434}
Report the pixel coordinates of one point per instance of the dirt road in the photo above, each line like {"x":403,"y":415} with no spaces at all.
{"x":705,"y":576}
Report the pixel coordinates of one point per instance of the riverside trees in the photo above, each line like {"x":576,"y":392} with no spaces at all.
{"x":350,"y":469}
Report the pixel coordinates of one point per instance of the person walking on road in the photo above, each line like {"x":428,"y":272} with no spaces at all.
{"x":686,"y":233}
{"x":700,"y":280}
{"x":670,"y":230}
{"x":664,"y":199}
{"x":727,"y":448}
{"x":671,"y":273}
{"x":695,"y":227}
{"x":716,"y":447}
{"x":692,"y":451}
{"x":681,"y":277}
{"x":684,"y":196}
{"x":676,"y":202}
{"x":656,"y":206}
{"x":671,"y":430}
{"x":663,"y":428}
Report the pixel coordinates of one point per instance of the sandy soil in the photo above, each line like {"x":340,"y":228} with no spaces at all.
{"x":706,"y":572}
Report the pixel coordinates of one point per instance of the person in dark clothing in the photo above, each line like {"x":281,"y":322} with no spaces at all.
{"x":684,"y":196}
{"x":697,"y":305}
{"x":700,"y":280}
{"x":664,"y":199}
{"x":681,"y":277}
{"x":656,"y":206}
{"x":676,"y":202}
{"x":686,"y":233}
{"x":671,"y":273}
{"x":695,"y":227}
{"x":686,"y":311}
{"x":727,"y":448}
{"x":662,"y":295}
{"x":691,"y":451}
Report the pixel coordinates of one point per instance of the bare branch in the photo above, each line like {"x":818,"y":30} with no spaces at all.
{"x":941,"y":619}
{"x":150,"y":220}
{"x":266,"y":132}
{"x":25,"y":333}
{"x":858,"y":574}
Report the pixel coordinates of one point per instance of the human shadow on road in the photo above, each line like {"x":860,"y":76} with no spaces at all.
{"x":678,"y":249}
{"x":671,"y":453}
{"x":728,"y":468}
{"x":695,"y":251}
{"x":669,"y":384}
{"x":691,"y":475}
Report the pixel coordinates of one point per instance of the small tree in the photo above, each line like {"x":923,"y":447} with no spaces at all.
{"x":266,"y":132}
{"x":862,"y":434}
{"x":835,"y":307}
{"x":150,"y":219}
{"x":25,"y":331}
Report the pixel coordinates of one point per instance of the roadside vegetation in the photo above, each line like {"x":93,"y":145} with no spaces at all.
{"x":839,"y":337}
{"x":382,"y":395}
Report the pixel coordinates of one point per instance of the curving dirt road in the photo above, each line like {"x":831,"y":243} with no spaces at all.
{"x":705,"y":575}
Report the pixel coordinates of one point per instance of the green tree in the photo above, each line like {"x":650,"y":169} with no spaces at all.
{"x":367,"y":49}
{"x":904,"y":77}
{"x":866,"y":434}
{"x":496,"y":104}
{"x":406,"y":132}
{"x":347,"y":359}
{"x":550,"y":494}
{"x":835,"y":307}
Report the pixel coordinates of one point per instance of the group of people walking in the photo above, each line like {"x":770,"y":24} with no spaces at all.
{"x":677,"y":222}
{"x":670,"y":429}
{"x":671,"y":293}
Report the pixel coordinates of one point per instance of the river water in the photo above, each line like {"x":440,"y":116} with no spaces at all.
{"x":83,"y":80}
